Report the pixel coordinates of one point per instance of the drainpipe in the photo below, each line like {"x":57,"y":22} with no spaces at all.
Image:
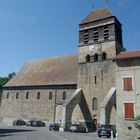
{"x":1,"y":93}
{"x":55,"y":95}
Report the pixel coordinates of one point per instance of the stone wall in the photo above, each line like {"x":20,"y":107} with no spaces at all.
{"x":32,"y":108}
{"x":108,"y":47}
{"x":96,"y":79}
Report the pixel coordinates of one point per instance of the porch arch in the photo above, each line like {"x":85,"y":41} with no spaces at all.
{"x":106,"y":107}
{"x":76,"y":98}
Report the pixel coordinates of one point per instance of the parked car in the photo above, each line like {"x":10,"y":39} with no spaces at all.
{"x":30,"y":123}
{"x":105,"y":130}
{"x":38,"y":123}
{"x":77,"y":128}
{"x":54,"y":126}
{"x":19,"y":122}
{"x":35,"y":123}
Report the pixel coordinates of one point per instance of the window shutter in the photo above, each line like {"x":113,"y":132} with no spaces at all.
{"x":129,"y":110}
{"x":127,"y":83}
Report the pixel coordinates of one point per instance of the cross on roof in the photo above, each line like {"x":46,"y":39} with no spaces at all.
{"x":106,"y":3}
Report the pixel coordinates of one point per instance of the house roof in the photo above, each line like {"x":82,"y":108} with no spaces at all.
{"x":128,"y":54}
{"x":97,"y":15}
{"x":53,"y":71}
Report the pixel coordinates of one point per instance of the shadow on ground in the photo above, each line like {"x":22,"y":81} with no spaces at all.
{"x":7,"y":132}
{"x":4,"y":135}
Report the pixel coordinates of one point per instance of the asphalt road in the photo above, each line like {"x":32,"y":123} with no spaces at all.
{"x":32,"y":133}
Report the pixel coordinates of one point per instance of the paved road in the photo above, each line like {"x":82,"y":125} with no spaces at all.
{"x":31,"y":133}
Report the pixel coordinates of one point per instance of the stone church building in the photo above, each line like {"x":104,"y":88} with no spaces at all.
{"x":74,"y":88}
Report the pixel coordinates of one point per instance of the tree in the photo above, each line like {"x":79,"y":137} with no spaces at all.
{"x":11,"y":75}
{"x":4,"y":80}
{"x":123,"y":49}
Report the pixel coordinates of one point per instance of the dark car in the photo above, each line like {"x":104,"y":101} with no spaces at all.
{"x":19,"y":122}
{"x":30,"y":123}
{"x":38,"y":124}
{"x":54,"y":126}
{"x":35,"y":123}
{"x":106,"y":130}
{"x":77,"y":128}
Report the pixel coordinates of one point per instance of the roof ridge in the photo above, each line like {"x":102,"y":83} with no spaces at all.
{"x":130,"y":51}
{"x":52,"y":57}
{"x":128,"y":54}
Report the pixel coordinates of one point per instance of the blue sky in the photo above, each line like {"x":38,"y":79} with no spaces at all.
{"x":32,"y":29}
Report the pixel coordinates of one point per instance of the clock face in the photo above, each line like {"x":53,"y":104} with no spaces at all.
{"x":91,"y":47}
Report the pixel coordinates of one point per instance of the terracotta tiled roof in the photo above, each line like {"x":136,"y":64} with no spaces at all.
{"x":129,"y":54}
{"x":53,"y":71}
{"x":97,"y":15}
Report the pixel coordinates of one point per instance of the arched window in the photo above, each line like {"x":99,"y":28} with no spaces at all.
{"x":38,"y":95}
{"x":50,"y":95}
{"x":27,"y":95}
{"x":94,"y":104}
{"x":103,"y":55}
{"x":88,"y":58}
{"x":17,"y":95}
{"x":64,"y":95}
{"x":95,"y":57}
{"x":7,"y":96}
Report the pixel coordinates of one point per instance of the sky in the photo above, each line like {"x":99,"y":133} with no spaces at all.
{"x":36,"y":29}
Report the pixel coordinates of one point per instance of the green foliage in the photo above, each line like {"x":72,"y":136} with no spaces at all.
{"x":4,"y":80}
{"x":11,"y":75}
{"x":123,"y":49}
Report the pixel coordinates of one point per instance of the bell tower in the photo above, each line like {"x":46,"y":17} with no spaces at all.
{"x":100,"y":36}
{"x":100,"y":40}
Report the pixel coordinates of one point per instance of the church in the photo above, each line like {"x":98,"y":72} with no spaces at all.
{"x":96,"y":86}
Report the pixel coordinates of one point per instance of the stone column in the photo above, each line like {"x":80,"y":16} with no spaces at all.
{"x":63,"y":120}
{"x":102,"y":116}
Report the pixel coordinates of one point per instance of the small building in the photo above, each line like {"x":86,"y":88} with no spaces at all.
{"x":128,"y":93}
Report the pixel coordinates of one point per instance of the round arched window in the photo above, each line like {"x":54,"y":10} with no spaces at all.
{"x":95,"y":57}
{"x":64,"y":95}
{"x":88,"y":58}
{"x":94,"y":104}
